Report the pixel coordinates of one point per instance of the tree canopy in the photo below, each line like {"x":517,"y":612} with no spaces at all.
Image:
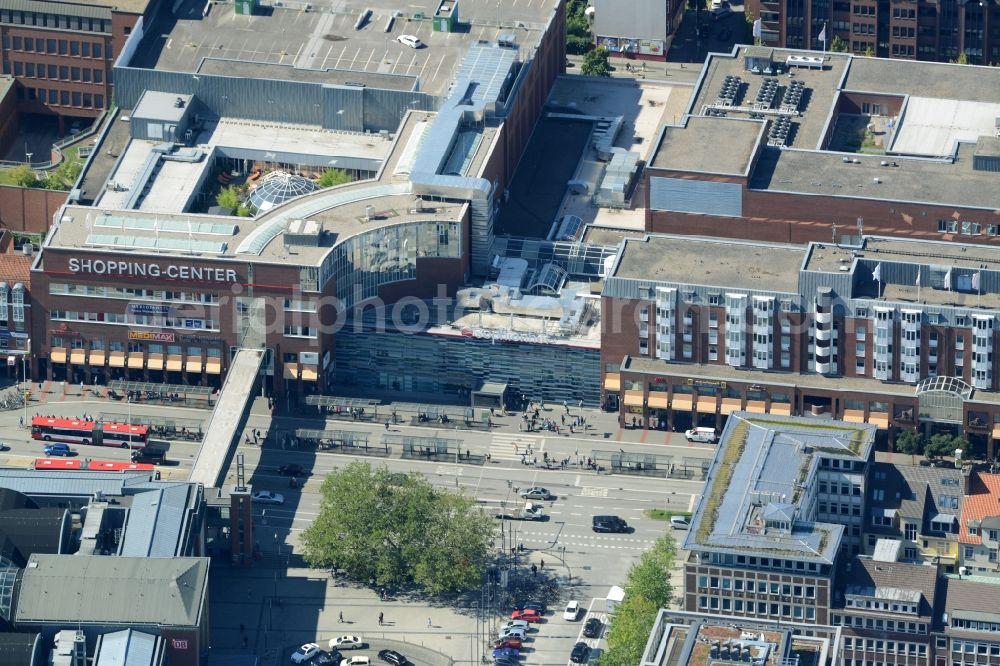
{"x":596,"y":62}
{"x":332,"y":177}
{"x":838,"y":45}
{"x":399,"y":530}
{"x":647,"y":590}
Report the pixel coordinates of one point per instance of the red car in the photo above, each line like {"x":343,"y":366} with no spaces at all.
{"x":507,"y":643}
{"x":528,"y":614}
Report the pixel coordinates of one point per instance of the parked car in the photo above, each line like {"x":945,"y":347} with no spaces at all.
{"x":328,"y":659}
{"x":703,"y":435}
{"x":535,"y":605}
{"x":293,"y":469}
{"x":537,"y":493}
{"x":410,"y":40}
{"x":592,"y":629}
{"x":510,"y":642}
{"x":57,"y":449}
{"x":580,"y":653}
{"x":506,"y":652}
{"x":346,"y":643}
{"x":679,"y":522}
{"x":268,"y":497}
{"x":512,"y":632}
{"x":357,"y":660}
{"x":511,"y":624}
{"x":609,"y":524}
{"x":572,"y":610}
{"x":305,"y":653}
{"x":392,"y":657}
{"x":526,"y":614}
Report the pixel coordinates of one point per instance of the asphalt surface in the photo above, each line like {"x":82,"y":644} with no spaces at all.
{"x":280,"y":603}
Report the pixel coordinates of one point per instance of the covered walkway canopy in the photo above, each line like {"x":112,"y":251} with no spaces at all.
{"x":230,"y":413}
{"x":490,"y":394}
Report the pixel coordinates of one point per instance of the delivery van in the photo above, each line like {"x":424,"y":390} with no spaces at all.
{"x":705,"y":435}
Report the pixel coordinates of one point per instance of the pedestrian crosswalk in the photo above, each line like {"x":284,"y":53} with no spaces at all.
{"x":511,"y":447}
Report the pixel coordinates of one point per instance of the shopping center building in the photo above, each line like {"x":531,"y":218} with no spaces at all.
{"x":896,"y":333}
{"x":139,"y":279}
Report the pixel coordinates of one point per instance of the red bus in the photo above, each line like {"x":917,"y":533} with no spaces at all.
{"x":93,"y":466}
{"x":89,"y":432}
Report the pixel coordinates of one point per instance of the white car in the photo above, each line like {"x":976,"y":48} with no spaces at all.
{"x":410,"y":40}
{"x":512,"y":632}
{"x":679,"y":523}
{"x":268,"y":497}
{"x":346,"y":643}
{"x":305,"y":653}
{"x":356,"y":660}
{"x":572,"y":610}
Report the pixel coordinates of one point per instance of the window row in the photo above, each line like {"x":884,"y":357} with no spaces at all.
{"x":760,"y":608}
{"x":891,"y":647}
{"x":61,"y":98}
{"x":63,"y":47}
{"x":56,"y":72}
{"x":759,"y":586}
{"x":879,"y":624}
{"x":158,"y":321}
{"x":64,"y":289}
{"x":57,"y":21}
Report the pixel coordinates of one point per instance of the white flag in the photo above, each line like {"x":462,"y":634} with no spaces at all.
{"x":975,"y":281}
{"x":877,"y":273}
{"x":947,"y":280}
{"x":758,"y":29}
{"x":918,"y":277}
{"x":822,"y":35}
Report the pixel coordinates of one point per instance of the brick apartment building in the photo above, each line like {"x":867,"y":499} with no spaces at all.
{"x":61,"y":54}
{"x":913,"y":29}
{"x":765,"y":542}
{"x":694,"y":329}
{"x":824,"y":146}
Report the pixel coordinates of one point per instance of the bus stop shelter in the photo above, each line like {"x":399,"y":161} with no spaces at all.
{"x":169,"y":427}
{"x":160,"y":393}
{"x":354,"y":408}
{"x":652,"y":464}
{"x":346,"y":440}
{"x":430,"y":448}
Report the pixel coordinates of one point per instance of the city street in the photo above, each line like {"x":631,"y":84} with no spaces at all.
{"x":583,"y":565}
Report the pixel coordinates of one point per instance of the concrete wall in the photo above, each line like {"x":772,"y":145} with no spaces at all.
{"x":635,"y":19}
{"x":30,"y":210}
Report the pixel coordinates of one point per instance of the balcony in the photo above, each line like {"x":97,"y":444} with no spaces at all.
{"x":824,"y":317}
{"x":823,"y":334}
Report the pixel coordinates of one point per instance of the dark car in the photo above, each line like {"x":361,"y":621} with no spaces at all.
{"x":392,"y":657}
{"x":580,"y":653}
{"x":291,"y":470}
{"x":331,"y":658}
{"x":593,"y":628}
{"x":57,"y":449}
{"x":535,"y":606}
{"x":609,"y":524}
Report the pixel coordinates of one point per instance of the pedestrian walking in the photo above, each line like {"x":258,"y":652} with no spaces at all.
{"x":581,"y":404}
{"x":381,"y":616}
{"x":566,"y":406}
{"x":541,"y":565}
{"x":20,"y":421}
{"x":429,"y":625}
{"x":340,"y":618}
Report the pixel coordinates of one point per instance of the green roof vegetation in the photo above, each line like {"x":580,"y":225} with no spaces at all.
{"x":721,"y":484}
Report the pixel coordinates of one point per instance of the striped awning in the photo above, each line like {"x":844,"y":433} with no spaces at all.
{"x":155,"y":362}
{"x":633,"y":399}
{"x":612,"y":382}
{"x":291,"y":371}
{"x":135,"y":361}
{"x":58,"y":355}
{"x":175,"y":363}
{"x":730,"y":405}
{"x":193,"y":364}
{"x":97,"y":357}
{"x":705,"y":404}
{"x":757,"y":406}
{"x":310,"y":373}
{"x":879,"y":420}
{"x":214,"y":366}
{"x":117,"y":359}
{"x":783,"y":408}
{"x":854,"y":415}
{"x":681,"y":402}
{"x":77,"y":356}
{"x":658,"y":400}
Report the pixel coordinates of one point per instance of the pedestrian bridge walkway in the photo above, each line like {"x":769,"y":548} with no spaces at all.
{"x":227,"y":420}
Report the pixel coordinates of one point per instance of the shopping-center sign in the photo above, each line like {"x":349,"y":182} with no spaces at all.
{"x":152,"y":270}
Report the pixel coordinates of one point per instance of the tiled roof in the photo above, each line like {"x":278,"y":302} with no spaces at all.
{"x":983,"y":502}
{"x":15,"y":267}
{"x":970,"y":598}
{"x":868,"y":573}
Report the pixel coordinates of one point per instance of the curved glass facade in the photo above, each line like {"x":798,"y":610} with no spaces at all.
{"x":362,"y":264}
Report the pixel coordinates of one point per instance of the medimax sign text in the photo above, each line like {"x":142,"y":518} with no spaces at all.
{"x":140,"y":269}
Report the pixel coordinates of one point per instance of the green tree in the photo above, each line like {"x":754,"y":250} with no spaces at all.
{"x":942,"y":444}
{"x":910,"y":443}
{"x":870,"y":52}
{"x":838,"y":45}
{"x":228,"y":197}
{"x":333,"y":177}
{"x":375,"y":525}
{"x":577,"y":45}
{"x":647,"y":590}
{"x":962,"y":59}
{"x":628,"y":631}
{"x":596,"y":62}
{"x":23,"y":176}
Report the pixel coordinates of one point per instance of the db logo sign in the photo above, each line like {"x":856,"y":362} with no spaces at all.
{"x":179,"y":643}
